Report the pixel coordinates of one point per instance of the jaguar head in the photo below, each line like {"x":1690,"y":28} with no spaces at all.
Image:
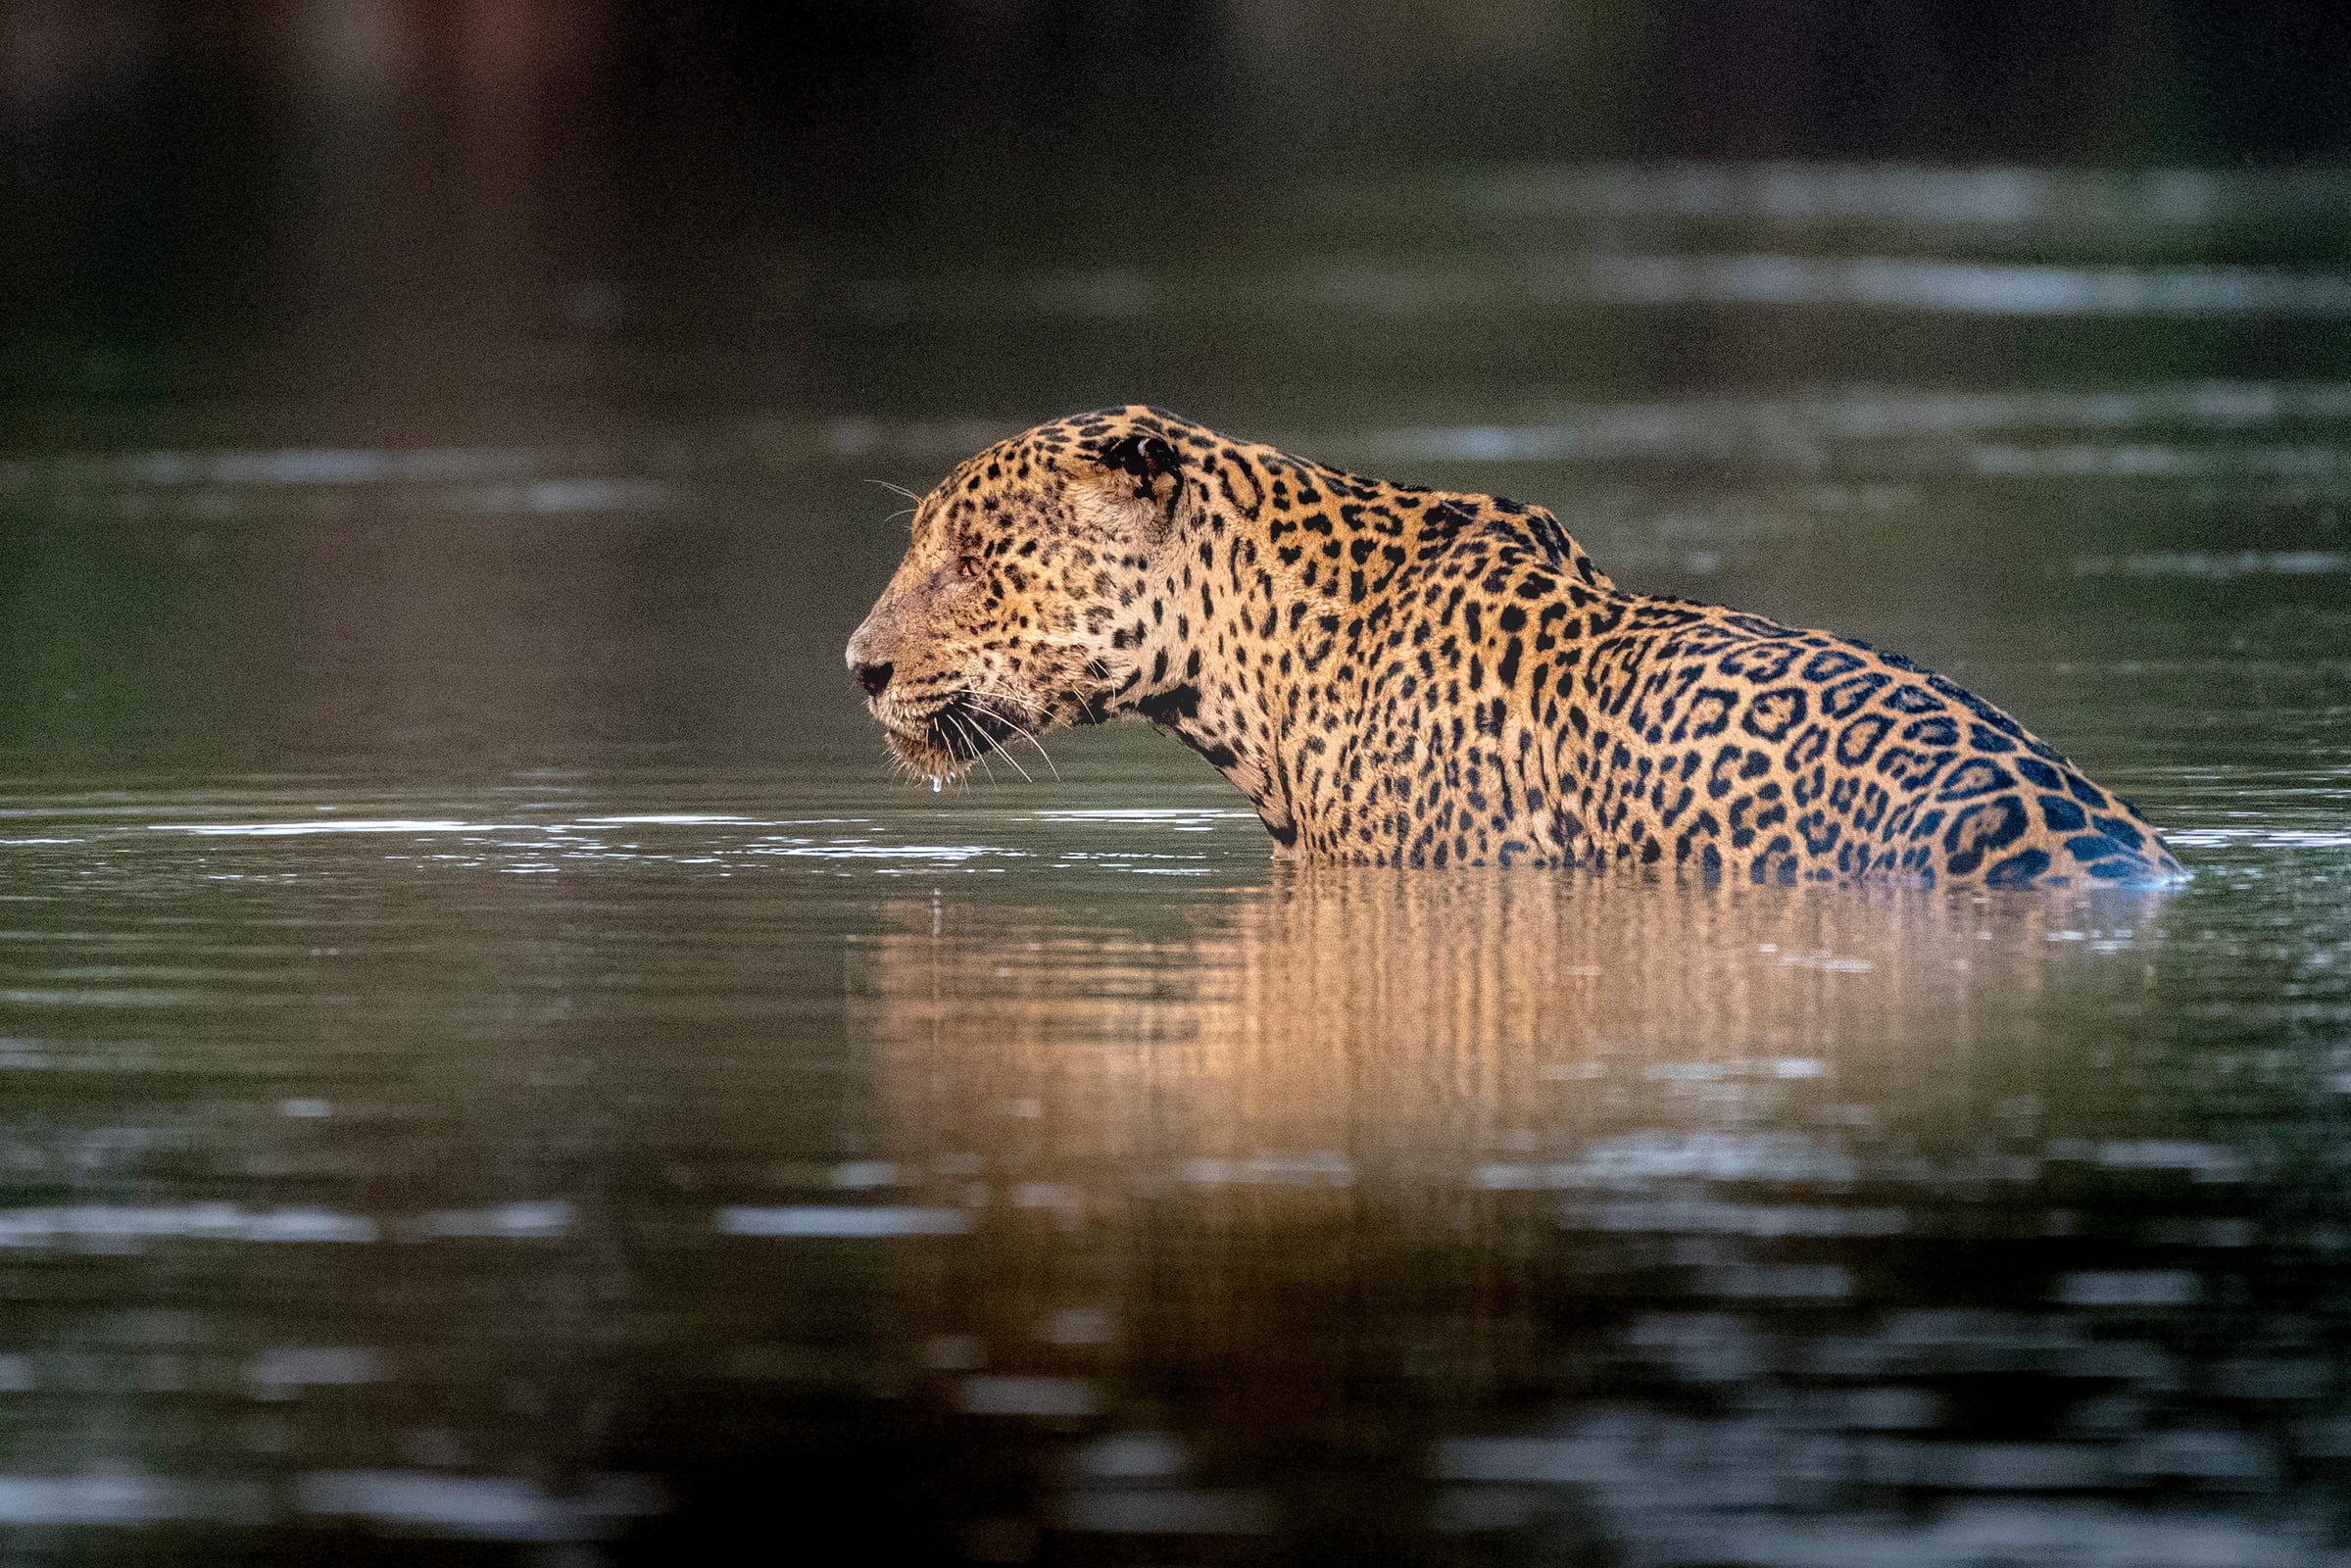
{"x":1023,"y":601}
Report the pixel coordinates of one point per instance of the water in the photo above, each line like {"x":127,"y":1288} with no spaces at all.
{"x":642,"y":1153}
{"x":497,"y":1068}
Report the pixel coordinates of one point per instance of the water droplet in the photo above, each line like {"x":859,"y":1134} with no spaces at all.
{"x":937,"y":784}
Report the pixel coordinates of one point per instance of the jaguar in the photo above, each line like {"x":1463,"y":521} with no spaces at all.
{"x":1400,"y":676}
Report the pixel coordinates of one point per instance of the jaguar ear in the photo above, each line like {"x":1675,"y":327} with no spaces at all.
{"x":1140,"y":482}
{"x":1146,"y":457}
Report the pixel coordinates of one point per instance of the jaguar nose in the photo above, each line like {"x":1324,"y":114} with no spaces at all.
{"x":873,"y":678}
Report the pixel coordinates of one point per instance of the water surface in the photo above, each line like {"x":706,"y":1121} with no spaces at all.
{"x":495,"y":1065}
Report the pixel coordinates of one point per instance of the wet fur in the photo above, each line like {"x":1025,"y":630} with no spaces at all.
{"x":1403,"y":676}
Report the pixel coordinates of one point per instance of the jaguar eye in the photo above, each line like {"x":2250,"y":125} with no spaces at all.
{"x":968,"y":567}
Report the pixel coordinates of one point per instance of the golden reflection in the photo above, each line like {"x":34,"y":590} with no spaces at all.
{"x":1382,"y":1016}
{"x":1352,"y":1158}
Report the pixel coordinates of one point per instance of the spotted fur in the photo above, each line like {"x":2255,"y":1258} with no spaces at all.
{"x":1403,"y":676}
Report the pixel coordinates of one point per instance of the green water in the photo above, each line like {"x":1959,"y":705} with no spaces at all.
{"x":493,"y":1066}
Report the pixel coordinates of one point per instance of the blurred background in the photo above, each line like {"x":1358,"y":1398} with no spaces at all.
{"x":386,"y":378}
{"x":493,"y":1069}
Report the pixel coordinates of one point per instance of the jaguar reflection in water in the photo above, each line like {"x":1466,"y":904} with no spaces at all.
{"x":1399,"y":677}
{"x":1688,"y":1224}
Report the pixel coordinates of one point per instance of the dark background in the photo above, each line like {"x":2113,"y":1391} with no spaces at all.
{"x":183,"y":180}
{"x":442,"y":383}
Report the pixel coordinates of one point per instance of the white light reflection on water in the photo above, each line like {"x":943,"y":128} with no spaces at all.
{"x":1002,"y":1394}
{"x":1176,"y":816}
{"x":1707,"y":1505}
{"x":1966,"y":288}
{"x":1803,"y":428}
{"x":542,"y":1220}
{"x":736,"y":840}
{"x":123,"y":1497}
{"x":835,"y":1220}
{"x":2262,"y":838}
{"x":494,"y":480}
{"x":2240,"y":563}
{"x":2192,"y":430}
{"x":102,"y":1226}
{"x":1927,"y":196}
{"x":1487,"y":287}
{"x":280,"y":1372}
{"x":272,"y":830}
{"x":480,"y":1507}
